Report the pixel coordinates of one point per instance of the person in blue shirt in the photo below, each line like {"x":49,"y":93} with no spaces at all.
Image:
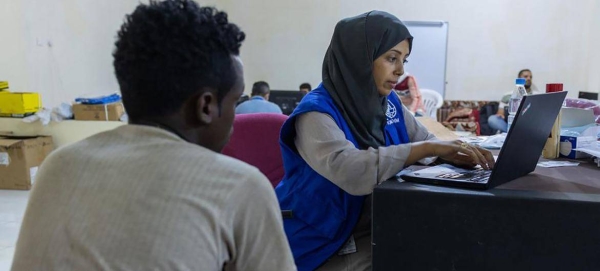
{"x":259,"y":102}
{"x":347,"y":136}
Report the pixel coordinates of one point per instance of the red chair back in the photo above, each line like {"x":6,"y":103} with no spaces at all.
{"x":255,"y":140}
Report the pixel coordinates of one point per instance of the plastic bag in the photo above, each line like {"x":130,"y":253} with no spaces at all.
{"x":585,"y":104}
{"x":105,"y":99}
{"x":44,"y":116}
{"x":57,"y":114}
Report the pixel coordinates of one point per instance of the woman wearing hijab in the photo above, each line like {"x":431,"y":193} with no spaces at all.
{"x":348,"y":135}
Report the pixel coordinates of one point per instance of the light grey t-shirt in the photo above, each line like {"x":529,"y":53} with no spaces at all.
{"x":141,"y":198}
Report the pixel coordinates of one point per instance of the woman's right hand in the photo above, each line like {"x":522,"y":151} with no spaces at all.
{"x":462,"y":153}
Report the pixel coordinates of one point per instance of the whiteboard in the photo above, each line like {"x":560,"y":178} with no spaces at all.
{"x":427,"y":61}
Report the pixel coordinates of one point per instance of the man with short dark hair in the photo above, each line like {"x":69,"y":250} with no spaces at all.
{"x":157,"y":194}
{"x":259,"y":102}
{"x":305,"y":88}
{"x":498,"y":121}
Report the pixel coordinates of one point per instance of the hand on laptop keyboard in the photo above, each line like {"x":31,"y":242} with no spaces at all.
{"x":463,"y":154}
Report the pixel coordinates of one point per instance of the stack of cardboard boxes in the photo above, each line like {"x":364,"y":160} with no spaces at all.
{"x":107,"y":108}
{"x":20,"y":158}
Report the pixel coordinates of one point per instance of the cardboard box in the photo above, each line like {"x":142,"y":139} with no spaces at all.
{"x":19,"y":104}
{"x":112,"y":111}
{"x":20,"y":158}
{"x":552,"y":148}
{"x":568,"y":143}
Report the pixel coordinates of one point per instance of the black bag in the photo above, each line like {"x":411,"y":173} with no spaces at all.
{"x":486,"y":111}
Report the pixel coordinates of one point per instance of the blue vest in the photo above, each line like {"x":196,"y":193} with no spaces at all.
{"x":324,"y":215}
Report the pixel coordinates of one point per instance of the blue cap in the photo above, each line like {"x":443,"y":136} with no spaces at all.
{"x":520,"y":81}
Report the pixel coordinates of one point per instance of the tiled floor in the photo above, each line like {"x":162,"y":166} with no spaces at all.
{"x":12,"y":208}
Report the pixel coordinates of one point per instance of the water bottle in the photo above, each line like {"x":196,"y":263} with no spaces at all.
{"x":515,"y":101}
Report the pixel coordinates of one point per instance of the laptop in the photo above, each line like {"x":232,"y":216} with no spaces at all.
{"x":519,"y":154}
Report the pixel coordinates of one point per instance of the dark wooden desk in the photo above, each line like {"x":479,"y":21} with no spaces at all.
{"x":547,"y":220}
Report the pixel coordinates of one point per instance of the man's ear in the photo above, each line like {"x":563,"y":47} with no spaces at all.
{"x":203,"y":108}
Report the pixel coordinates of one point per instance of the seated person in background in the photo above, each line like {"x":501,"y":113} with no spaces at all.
{"x":347,"y":136}
{"x":305,"y":88}
{"x":156,"y":194}
{"x":259,"y":102}
{"x":498,"y":121}
{"x":410,"y":95}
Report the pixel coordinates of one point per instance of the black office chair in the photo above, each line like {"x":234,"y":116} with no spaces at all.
{"x":485,"y":112}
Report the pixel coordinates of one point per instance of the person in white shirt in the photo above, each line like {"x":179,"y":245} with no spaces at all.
{"x":498,"y":121}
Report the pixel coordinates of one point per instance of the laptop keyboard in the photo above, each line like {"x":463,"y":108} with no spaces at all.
{"x":476,"y":176}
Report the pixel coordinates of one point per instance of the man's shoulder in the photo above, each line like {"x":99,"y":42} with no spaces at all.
{"x":226,"y":168}
{"x":172,"y":152}
{"x":251,"y":106}
{"x":185,"y":163}
{"x":234,"y":165}
{"x":86,"y":145}
{"x":273,"y":104}
{"x":244,"y":104}
{"x":231,"y":177}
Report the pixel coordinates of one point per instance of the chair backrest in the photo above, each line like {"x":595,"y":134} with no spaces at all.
{"x":432,"y":101}
{"x":485,"y":112}
{"x":255,"y":140}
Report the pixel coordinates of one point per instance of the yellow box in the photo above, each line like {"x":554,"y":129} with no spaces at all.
{"x":19,"y":104}
{"x":3,"y":85}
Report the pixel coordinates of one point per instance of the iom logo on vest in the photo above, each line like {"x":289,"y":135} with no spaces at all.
{"x":391,"y":113}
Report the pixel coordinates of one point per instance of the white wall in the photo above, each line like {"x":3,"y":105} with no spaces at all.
{"x":60,"y":48}
{"x":13,"y":66}
{"x":593,"y":51}
{"x":64,"y":47}
{"x":489,"y":41}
